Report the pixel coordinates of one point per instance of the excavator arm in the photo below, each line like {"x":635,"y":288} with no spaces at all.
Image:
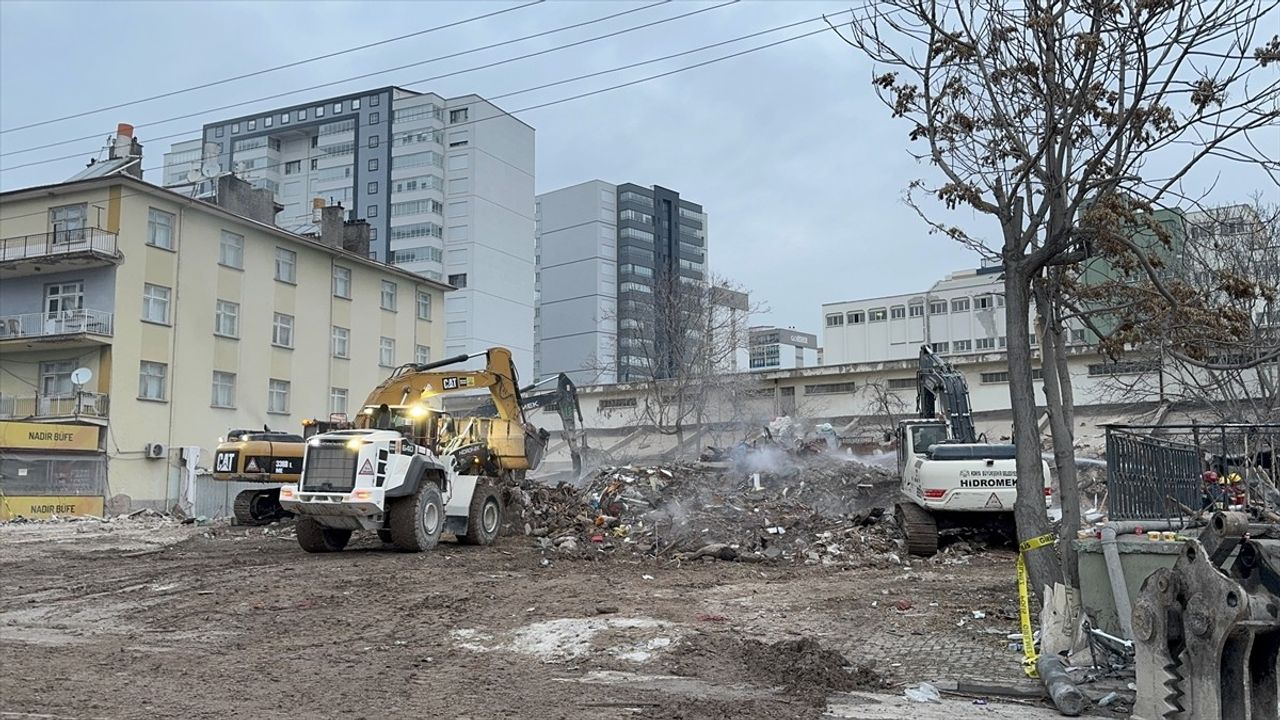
{"x":935,"y":380}
{"x":413,"y":384}
{"x":564,"y":398}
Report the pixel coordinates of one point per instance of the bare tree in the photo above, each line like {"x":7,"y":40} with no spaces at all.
{"x":1038,"y":113}
{"x":887,"y":407}
{"x":1220,"y":353}
{"x":681,"y":347}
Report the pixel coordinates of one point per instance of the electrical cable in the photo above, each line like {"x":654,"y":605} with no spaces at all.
{"x":589,"y":93}
{"x":363,"y":76}
{"x":266,"y":71}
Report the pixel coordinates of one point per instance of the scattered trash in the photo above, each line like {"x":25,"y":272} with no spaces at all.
{"x":924,"y":693}
{"x":978,"y":615}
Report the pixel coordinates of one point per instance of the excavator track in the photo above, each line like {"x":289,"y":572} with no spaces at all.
{"x":258,"y":507}
{"x":919,"y":527}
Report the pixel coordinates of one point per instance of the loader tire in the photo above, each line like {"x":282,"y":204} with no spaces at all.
{"x":316,"y":538}
{"x":484,"y":518}
{"x":920,"y":528}
{"x":384,"y":536}
{"x":417,"y":520}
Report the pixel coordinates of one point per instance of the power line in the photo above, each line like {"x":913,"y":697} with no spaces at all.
{"x":598,"y":91}
{"x":266,"y":71}
{"x":403,"y":67}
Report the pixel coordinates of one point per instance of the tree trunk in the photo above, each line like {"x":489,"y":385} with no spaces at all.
{"x":1053,"y":364}
{"x":1028,"y":510}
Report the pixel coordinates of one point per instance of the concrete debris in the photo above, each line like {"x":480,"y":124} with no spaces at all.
{"x":766,"y":505}
{"x":924,"y":692}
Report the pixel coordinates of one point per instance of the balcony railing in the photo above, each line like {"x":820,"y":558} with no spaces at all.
{"x":61,"y":405}
{"x":53,"y":324}
{"x":58,"y":242}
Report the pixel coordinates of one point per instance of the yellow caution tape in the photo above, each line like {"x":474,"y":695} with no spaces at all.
{"x":1024,"y":602}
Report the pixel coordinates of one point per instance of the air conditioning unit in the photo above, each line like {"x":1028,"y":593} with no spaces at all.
{"x":156,"y":450}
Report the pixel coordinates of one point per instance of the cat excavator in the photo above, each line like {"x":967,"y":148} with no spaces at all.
{"x":409,"y":471}
{"x":267,"y":459}
{"x":564,"y":399}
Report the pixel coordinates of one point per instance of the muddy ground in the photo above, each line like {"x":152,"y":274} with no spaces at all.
{"x":155,"y":619}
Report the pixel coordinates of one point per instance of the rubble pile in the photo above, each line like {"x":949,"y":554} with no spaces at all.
{"x":815,"y":508}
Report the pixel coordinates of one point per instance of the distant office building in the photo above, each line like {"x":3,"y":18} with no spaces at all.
{"x":602,"y":252}
{"x":446,"y":185}
{"x":773,"y":348}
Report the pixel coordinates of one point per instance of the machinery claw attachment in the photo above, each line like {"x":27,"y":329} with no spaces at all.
{"x":1208,"y":637}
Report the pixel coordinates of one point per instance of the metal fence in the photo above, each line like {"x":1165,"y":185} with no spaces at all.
{"x":1159,"y":471}
{"x":81,"y":404}
{"x":59,"y":242}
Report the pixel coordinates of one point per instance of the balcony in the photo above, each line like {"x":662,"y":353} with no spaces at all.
{"x":78,"y":406}
{"x":65,"y":328}
{"x":57,"y":251}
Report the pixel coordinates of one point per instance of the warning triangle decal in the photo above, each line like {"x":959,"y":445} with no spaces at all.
{"x":252,"y":466}
{"x":367,"y":468}
{"x":994,"y":501}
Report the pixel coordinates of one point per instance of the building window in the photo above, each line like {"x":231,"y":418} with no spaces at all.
{"x":151,"y":380}
{"x":375,"y":100}
{"x":983,"y":302}
{"x":374,"y":117}
{"x":337,"y":108}
{"x":459,"y":281}
{"x":459,"y":115}
{"x":266,"y":121}
{"x":282,"y":330}
{"x":876,"y":315}
{"x":315,"y":164}
{"x":940,"y":347}
{"x":278,"y":396}
{"x":284,"y":118}
{"x":1077,"y":337}
{"x":355,"y":103}
{"x":835,"y":320}
{"x":302,"y":115}
{"x":898,"y":312}
{"x":424,"y":305}
{"x":1132,"y":367}
{"x":962,"y":345}
{"x":286,"y":265}
{"x":373,"y":141}
{"x":902,"y":383}
{"x":253,"y":125}
{"x":224,"y":389}
{"x":372,"y":188}
{"x":293,"y":167}
{"x":235,"y":128}
{"x":855,"y":317}
{"x":218,"y":131}
{"x":984,"y":343}
{"x":959,"y":305}
{"x":387,"y":352}
{"x":421,"y":354}
{"x":155,"y":304}
{"x":341,"y":342}
{"x":990,"y":378}
{"x":388,"y":295}
{"x":371,"y":211}
{"x":1002,"y":341}
{"x":829,"y":388}
{"x":226,"y":319}
{"x":231,"y":250}
{"x":160,"y":229}
{"x":617,"y":403}
{"x":373,"y":164}
{"x":319,"y":111}
{"x":938,"y":307}
{"x":69,"y":222}
{"x":916,"y":310}
{"x":341,"y":282}
{"x":337,"y":401}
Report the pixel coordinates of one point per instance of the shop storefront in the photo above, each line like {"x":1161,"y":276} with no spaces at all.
{"x":51,"y":470}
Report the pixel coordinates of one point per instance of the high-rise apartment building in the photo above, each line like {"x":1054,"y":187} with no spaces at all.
{"x":446,"y":185}
{"x":603,"y":254}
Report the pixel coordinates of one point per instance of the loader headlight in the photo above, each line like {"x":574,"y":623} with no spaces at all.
{"x":354,"y":444}
{"x":417,"y":411}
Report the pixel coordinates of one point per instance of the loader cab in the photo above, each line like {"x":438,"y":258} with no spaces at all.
{"x":915,"y":437}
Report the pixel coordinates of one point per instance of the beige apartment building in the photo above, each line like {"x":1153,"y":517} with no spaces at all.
{"x":138,"y":325}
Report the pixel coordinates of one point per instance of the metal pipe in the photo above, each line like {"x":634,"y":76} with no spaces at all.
{"x":1119,"y":590}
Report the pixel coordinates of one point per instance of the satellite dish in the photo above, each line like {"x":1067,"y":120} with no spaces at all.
{"x":194,"y":176}
{"x":210,"y":168}
{"x":81,"y":376}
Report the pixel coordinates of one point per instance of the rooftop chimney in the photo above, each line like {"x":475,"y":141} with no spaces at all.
{"x":337,"y":231}
{"x":126,"y":146}
{"x":240,"y":197}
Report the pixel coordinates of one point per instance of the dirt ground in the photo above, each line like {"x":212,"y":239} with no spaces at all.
{"x":156,"y":619}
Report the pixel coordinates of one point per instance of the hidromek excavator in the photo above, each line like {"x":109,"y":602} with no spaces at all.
{"x":409,"y":471}
{"x":950,"y":476}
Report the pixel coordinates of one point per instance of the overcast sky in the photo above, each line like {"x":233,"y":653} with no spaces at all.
{"x":799,"y":166}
